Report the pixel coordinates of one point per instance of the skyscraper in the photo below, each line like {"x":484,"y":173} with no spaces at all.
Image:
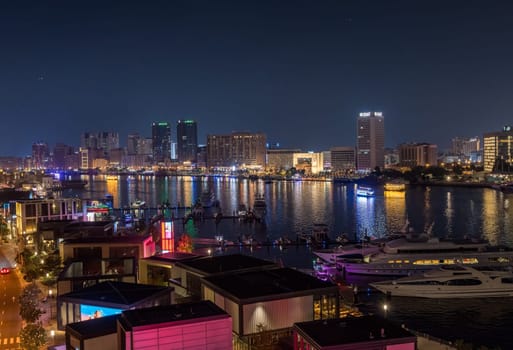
{"x":370,"y":141}
{"x":161,"y":140}
{"x":40,"y":155}
{"x":187,"y":141}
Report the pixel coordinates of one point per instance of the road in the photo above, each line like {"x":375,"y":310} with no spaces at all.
{"x":10,"y":289}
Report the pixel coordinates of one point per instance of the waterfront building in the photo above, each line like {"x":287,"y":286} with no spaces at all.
{"x":107,"y":247}
{"x":104,"y":141}
{"x":187,"y":141}
{"x":11,"y":163}
{"x":498,"y":151}
{"x":31,"y":212}
{"x":40,"y":155}
{"x":108,"y":298}
{"x":465,"y":146}
{"x":132,"y":144}
{"x":417,"y":154}
{"x":370,"y":141}
{"x":391,"y":157}
{"x":265,"y":304}
{"x":352,"y":333}
{"x":310,"y":162}
{"x":239,"y":150}
{"x":281,"y":158}
{"x":161,"y":142}
{"x":196,"y":325}
{"x":343,"y":160}
{"x":61,"y":152}
{"x":117,"y":157}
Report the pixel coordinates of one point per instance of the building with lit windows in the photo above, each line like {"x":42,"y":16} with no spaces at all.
{"x":104,"y":141}
{"x":161,"y":142}
{"x":498,"y":151}
{"x":240,"y":149}
{"x":464,"y":147}
{"x":417,"y":154}
{"x":310,"y":162}
{"x":40,"y":155}
{"x":187,"y":141}
{"x":370,"y":141}
{"x":343,"y":160}
{"x":281,"y":158}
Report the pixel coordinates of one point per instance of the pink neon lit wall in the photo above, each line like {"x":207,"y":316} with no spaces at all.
{"x":212,"y":335}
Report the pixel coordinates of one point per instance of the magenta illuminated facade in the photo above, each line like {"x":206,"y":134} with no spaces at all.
{"x":200,"y":325}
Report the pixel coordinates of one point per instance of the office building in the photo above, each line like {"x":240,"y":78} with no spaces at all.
{"x":343,"y":160}
{"x":281,"y":158}
{"x":370,"y":141}
{"x":40,"y":155}
{"x":464,"y":147}
{"x":417,"y":154}
{"x":60,"y":153}
{"x":161,"y":142}
{"x":498,"y":151}
{"x":104,"y":141}
{"x":239,"y":150}
{"x":187,"y":141}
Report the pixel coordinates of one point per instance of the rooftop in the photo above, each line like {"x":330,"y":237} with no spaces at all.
{"x":265,"y":283}
{"x":170,"y":313}
{"x":107,"y":239}
{"x":351,"y":330}
{"x":119,"y":293}
{"x":225,"y":263}
{"x":172,"y":257}
{"x":94,"y":328}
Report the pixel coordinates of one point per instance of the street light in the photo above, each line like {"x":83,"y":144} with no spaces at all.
{"x":52,"y":334}
{"x":385,"y":309}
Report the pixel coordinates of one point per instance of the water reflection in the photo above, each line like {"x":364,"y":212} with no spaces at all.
{"x":293,"y":207}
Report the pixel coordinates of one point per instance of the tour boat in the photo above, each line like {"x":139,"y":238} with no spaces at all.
{"x":364,"y":191}
{"x":455,"y":281}
{"x":395,"y":186}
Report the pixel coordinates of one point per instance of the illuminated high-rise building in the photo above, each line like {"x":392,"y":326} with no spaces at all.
{"x":240,"y":149}
{"x":370,"y":141}
{"x":104,"y":141}
{"x":187,"y":141}
{"x":40,"y":155}
{"x":498,"y":151}
{"x":161,"y":142}
{"x":342,"y":160}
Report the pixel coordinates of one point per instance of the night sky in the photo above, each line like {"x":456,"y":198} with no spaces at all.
{"x":299,"y":71}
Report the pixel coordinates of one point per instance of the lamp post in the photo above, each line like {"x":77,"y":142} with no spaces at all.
{"x":385,"y":309}
{"x":52,"y":334}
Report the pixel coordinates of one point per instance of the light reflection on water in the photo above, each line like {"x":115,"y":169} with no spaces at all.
{"x":294,"y":206}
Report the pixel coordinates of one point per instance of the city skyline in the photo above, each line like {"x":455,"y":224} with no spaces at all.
{"x":300,"y":72}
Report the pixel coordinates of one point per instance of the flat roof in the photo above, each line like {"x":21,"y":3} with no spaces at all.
{"x":94,"y":328}
{"x":173,"y":257}
{"x":112,"y":292}
{"x":349,"y":330}
{"x":265,"y":283}
{"x":165,"y":314}
{"x":108,"y":239}
{"x":224,"y":263}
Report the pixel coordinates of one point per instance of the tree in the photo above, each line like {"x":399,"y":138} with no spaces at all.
{"x":185,"y":244}
{"x":29,"y":306}
{"x":32,"y":336}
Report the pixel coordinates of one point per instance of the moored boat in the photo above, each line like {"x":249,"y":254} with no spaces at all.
{"x":414,"y":253}
{"x":259,"y":207}
{"x":454,"y":281}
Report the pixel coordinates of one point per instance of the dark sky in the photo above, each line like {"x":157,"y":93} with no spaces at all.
{"x":300,"y":71}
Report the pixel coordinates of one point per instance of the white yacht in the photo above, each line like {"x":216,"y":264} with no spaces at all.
{"x":414,"y":253}
{"x":455,"y":281}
